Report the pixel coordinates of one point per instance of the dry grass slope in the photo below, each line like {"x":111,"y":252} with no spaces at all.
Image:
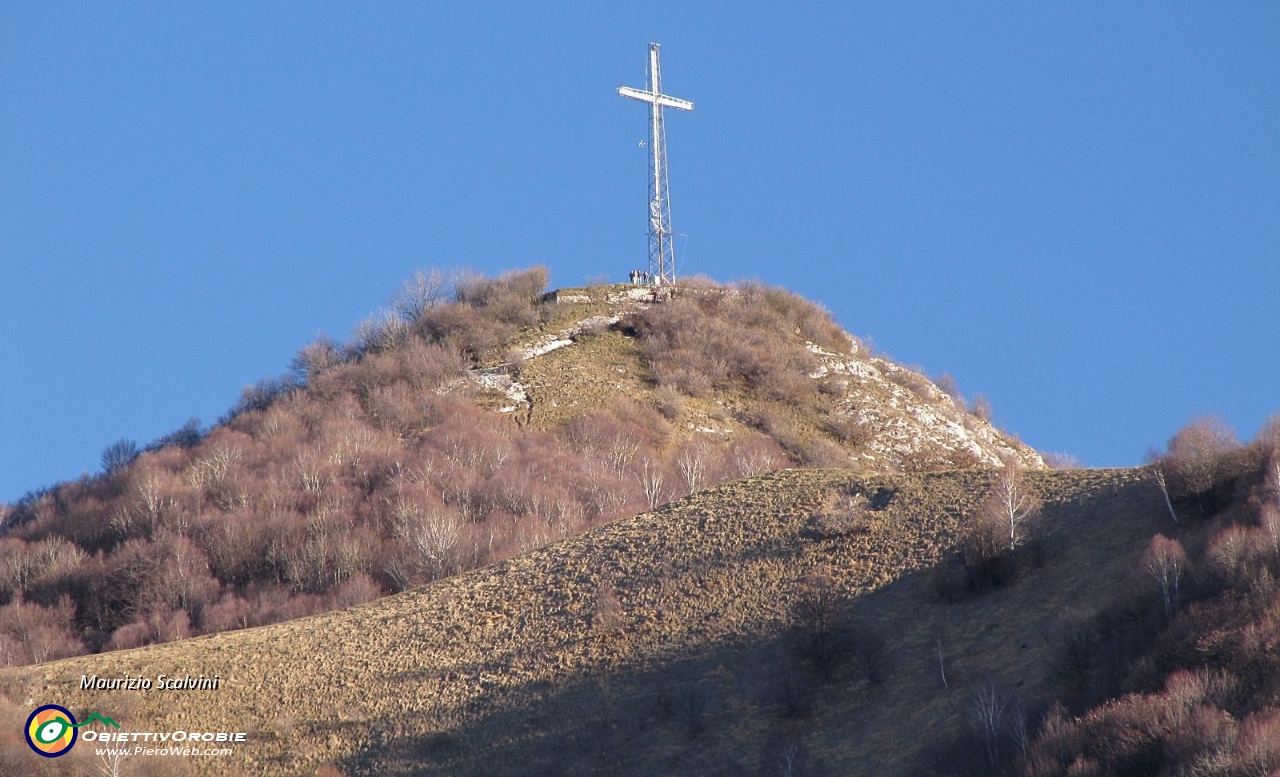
{"x":518,"y":668}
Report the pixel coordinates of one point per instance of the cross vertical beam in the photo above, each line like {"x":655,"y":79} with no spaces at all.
{"x":662,"y":257}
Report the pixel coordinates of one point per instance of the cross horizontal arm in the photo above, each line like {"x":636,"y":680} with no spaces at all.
{"x":655,"y":99}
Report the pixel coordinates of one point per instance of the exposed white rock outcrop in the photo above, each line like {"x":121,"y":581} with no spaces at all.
{"x":905,"y":414}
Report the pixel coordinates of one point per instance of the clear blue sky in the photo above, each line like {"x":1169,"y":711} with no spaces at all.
{"x":1073,"y":208}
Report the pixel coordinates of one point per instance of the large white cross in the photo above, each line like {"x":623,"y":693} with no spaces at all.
{"x":662,"y":260}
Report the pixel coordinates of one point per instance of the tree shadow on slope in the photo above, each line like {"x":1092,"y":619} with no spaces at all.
{"x":771,"y":706}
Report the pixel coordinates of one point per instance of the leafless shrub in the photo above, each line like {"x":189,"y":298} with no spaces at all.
{"x":481,"y":292}
{"x":789,"y":757}
{"x":848,"y":430}
{"x":820,"y":614}
{"x":259,"y":397}
{"x":426,"y":367}
{"x":981,"y":542}
{"x":683,"y":379}
{"x":1195,"y":458}
{"x":795,"y":695}
{"x":647,"y":422}
{"x":819,"y":453}
{"x":1235,"y":555}
{"x":871,"y":651}
{"x":963,"y":458}
{"x":1271,"y":480}
{"x":692,"y":707}
{"x":743,"y":338}
{"x":779,"y":427}
{"x":952,"y":389}
{"x":1268,"y":437}
{"x":669,"y":402}
{"x":756,"y":455}
{"x":833,"y":387}
{"x":384,"y":332}
{"x":314,"y":358}
{"x":913,"y":381}
{"x":464,"y":329}
{"x":1062,"y":461}
{"x":605,"y":439}
{"x":35,"y":634}
{"x":841,"y":515}
{"x":111,"y":761}
{"x":1258,"y":747}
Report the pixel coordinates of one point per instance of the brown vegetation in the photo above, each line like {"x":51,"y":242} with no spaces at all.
{"x":1195,"y":689}
{"x":675,"y":642}
{"x":787,"y":620}
{"x":373,"y":467}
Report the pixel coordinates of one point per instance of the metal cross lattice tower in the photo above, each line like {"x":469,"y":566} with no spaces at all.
{"x":662,"y":258}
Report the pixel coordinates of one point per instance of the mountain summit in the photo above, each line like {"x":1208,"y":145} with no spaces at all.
{"x":736,"y":353}
{"x":478,"y":418}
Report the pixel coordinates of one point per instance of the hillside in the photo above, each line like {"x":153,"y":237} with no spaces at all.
{"x":812,"y":621}
{"x":516,"y":664}
{"x":477,"y":419}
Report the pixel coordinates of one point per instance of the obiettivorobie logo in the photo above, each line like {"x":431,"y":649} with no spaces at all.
{"x":51,"y":730}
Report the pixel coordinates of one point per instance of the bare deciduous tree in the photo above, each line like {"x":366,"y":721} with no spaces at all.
{"x":1163,"y":482}
{"x":987,"y":715}
{"x":651,"y":482}
{"x":1166,"y":562}
{"x":1012,"y":502}
{"x":1269,"y":519}
{"x":111,"y":761}
{"x":314,"y":358}
{"x":311,"y":478}
{"x":422,"y":292}
{"x":1019,"y":735}
{"x":119,"y":455}
{"x":755,"y":458}
{"x":942,"y":663}
{"x":788,"y":756}
{"x":692,"y":463}
{"x":620,"y":451}
{"x":430,"y":535}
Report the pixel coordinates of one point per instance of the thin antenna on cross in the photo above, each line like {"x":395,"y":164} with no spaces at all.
{"x":662,"y":258}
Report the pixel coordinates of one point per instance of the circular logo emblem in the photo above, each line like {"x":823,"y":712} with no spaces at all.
{"x":51,"y":730}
